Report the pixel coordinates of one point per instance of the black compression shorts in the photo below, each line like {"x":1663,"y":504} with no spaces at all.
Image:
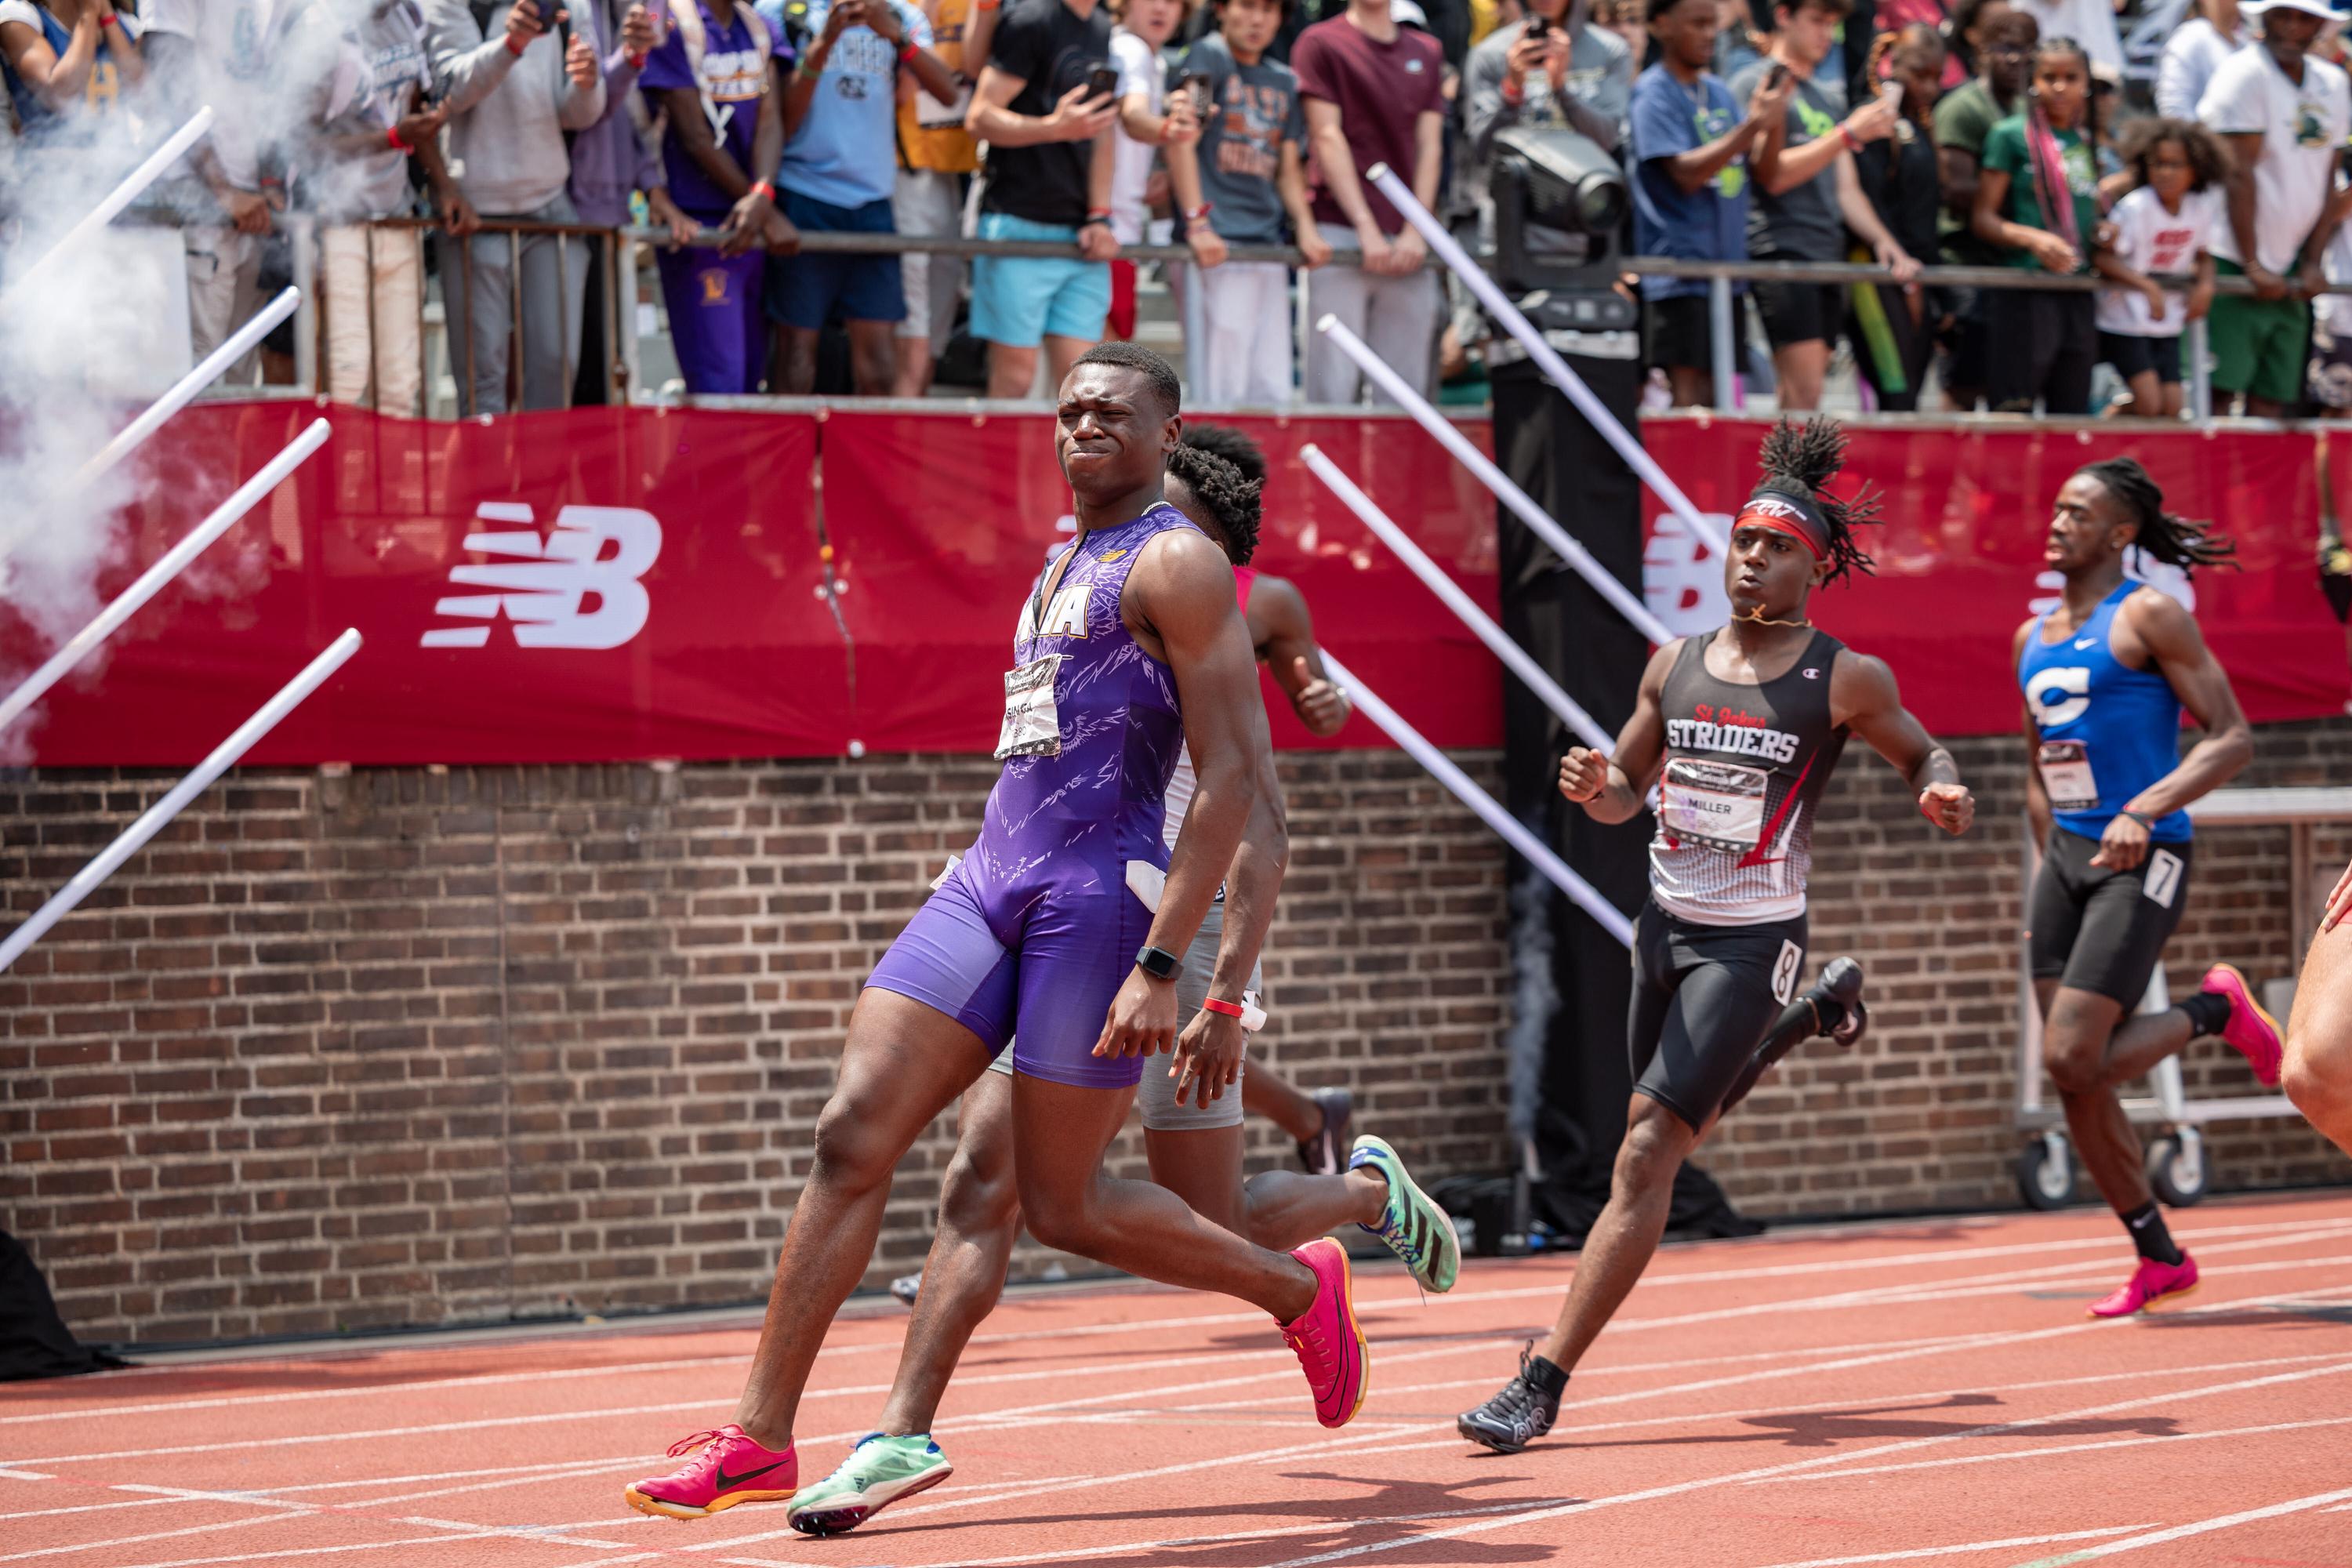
{"x":1704,"y":997}
{"x":2099,"y":930}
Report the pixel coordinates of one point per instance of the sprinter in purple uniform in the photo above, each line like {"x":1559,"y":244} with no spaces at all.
{"x":1063,"y":927}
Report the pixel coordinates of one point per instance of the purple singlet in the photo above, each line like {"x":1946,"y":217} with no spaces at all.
{"x":1035,"y":927}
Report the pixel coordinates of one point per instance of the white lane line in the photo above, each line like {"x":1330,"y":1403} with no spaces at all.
{"x":1676,"y":1488}
{"x":82,"y":1508}
{"x":293,"y":1510}
{"x":2086,"y":1447}
{"x":2202,"y":1527}
{"x":475,"y":1533}
{"x":1919,"y":1552}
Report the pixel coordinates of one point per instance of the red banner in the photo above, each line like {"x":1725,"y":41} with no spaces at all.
{"x":610,"y":584}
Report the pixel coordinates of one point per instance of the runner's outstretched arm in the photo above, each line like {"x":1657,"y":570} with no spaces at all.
{"x":1209,"y":1052}
{"x":2178,"y":650}
{"x":1614,"y":789}
{"x":1863,"y":696}
{"x":1183,"y":593}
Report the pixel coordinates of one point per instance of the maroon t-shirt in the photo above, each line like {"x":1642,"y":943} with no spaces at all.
{"x":1380,"y":88}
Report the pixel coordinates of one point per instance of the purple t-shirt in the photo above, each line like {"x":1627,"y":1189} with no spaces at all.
{"x":733,"y":81}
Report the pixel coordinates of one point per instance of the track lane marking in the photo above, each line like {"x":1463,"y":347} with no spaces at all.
{"x":2202,"y":1527}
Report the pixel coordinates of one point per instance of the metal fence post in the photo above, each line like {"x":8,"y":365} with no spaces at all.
{"x":2201,"y":375}
{"x":1196,"y":331}
{"x":303,"y":232}
{"x":1726,"y":359}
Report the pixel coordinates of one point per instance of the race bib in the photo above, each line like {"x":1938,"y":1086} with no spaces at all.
{"x":1720,"y":805}
{"x":1033,"y":723}
{"x":2067,"y":775}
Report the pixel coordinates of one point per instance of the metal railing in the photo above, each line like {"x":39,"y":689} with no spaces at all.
{"x":625,"y":263}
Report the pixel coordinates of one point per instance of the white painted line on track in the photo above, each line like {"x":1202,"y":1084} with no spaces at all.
{"x":299,"y":1511}
{"x":85,"y":1508}
{"x":2102,"y":1444}
{"x":2202,"y":1527}
{"x":1920,"y":1552}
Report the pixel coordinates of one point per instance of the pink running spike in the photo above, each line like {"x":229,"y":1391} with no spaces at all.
{"x":722,"y":1468}
{"x":2150,"y":1283}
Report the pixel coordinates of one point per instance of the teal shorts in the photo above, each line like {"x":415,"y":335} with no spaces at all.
{"x":1019,"y":300}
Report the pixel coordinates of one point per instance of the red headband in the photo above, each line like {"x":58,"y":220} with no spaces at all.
{"x":1782,"y":516}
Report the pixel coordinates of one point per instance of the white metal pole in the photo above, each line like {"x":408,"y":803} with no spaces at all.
{"x":1464,"y":607}
{"x":151,"y":822}
{"x":1522,"y":505}
{"x":1514,"y":833}
{"x":239,"y":343}
{"x":1546,"y":357}
{"x":123,"y":194}
{"x":172,"y":563}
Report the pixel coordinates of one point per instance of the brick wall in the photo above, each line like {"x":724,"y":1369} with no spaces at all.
{"x":424,"y":1046}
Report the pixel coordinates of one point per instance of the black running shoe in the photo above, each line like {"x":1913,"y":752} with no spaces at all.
{"x":1326,"y":1154}
{"x":1841,"y":982}
{"x":1513,"y":1419}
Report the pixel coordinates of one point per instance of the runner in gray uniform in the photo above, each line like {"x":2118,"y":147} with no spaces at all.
{"x":1738,"y":730}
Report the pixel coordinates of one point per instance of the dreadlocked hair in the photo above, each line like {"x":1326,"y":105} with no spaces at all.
{"x":1219,"y":490}
{"x":2165,"y":536}
{"x":1804,"y":458}
{"x":1231,"y":445}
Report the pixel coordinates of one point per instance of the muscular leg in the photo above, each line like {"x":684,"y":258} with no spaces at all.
{"x":1277,"y":1209}
{"x":1266,"y":1093}
{"x":1061,"y":1131}
{"x":873,"y":357}
{"x":979,"y":1219}
{"x":2319,"y":1038}
{"x":2077,"y":1027}
{"x":903,"y":1064}
{"x":1625,"y":1237}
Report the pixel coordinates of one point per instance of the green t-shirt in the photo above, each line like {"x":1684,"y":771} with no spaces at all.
{"x":2005,"y":153}
{"x":1964,"y":117}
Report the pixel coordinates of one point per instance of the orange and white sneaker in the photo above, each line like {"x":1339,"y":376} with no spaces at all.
{"x":2151,"y":1282}
{"x":725,"y":1468}
{"x":1330,"y":1347}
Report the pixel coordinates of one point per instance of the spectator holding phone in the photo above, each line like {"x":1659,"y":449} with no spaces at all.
{"x":511,"y":91}
{"x":1247,"y":174}
{"x":2001,"y":40}
{"x":1541,"y":71}
{"x":1046,"y":105}
{"x":612,"y":161}
{"x":724,"y":116}
{"x":839,"y":170}
{"x":1148,"y":121}
{"x":1893,"y":326}
{"x":936,"y":154}
{"x":1374,"y":93}
{"x":1808,"y":195}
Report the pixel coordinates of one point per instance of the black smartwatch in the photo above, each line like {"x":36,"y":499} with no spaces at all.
{"x":1157,"y":962}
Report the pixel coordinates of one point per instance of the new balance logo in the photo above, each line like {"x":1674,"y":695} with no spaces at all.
{"x":569,"y":590}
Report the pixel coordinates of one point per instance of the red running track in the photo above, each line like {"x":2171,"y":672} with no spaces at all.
{"x":1915,"y":1393}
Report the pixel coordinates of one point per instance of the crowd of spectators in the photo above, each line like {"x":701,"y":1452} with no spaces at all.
{"x":1899,"y":134}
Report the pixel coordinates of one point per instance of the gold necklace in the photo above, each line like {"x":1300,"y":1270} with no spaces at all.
{"x":1757,"y":617}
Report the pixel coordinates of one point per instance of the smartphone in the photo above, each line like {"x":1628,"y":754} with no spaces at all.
{"x":1538,"y":25}
{"x":1196,"y":84}
{"x":1892,"y":91}
{"x":1776,"y":76}
{"x":1102,"y":82}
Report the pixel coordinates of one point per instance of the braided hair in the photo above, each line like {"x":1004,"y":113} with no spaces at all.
{"x":1799,"y":460}
{"x":1218,"y":489}
{"x":2165,"y":536}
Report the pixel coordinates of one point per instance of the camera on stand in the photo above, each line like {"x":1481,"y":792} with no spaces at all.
{"x":1560,"y":204}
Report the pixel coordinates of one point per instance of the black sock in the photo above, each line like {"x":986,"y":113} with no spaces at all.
{"x":2147,"y":1234}
{"x":2208,"y":1012}
{"x":1543,"y":1375}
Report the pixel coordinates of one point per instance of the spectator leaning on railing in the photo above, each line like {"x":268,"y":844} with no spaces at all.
{"x":611,"y":160}
{"x":936,"y":154}
{"x":2194,"y":53}
{"x":1690,"y":146}
{"x":68,"y":64}
{"x":2038,"y":202}
{"x":2166,"y":226}
{"x":511,"y":91}
{"x":1893,"y":326}
{"x":839,"y":170}
{"x":1149,"y":122}
{"x":1048,"y":122}
{"x":1807,"y":194}
{"x":2283,"y":113}
{"x":1234,"y":187}
{"x":722,"y":121}
{"x":2002,"y":41}
{"x":371,"y":279}
{"x":1374,"y":93}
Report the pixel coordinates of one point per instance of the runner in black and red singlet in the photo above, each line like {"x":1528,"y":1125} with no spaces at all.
{"x":1738,"y":730}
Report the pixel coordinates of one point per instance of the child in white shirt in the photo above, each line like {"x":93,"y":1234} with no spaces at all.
{"x":2161,"y":227}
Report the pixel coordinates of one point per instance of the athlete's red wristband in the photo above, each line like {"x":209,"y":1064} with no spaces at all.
{"x":1230,"y":1009}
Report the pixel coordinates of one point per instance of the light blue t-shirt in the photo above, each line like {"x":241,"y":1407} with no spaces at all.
{"x":846,"y":152}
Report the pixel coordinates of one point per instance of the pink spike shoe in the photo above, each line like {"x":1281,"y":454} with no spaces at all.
{"x":2151,"y":1282}
{"x":2253,"y":1031}
{"x":1329,"y":1345}
{"x":726,"y":1467}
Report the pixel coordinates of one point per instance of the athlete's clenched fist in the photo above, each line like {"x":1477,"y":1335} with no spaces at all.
{"x":1583,"y":773}
{"x":1950,"y":807}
